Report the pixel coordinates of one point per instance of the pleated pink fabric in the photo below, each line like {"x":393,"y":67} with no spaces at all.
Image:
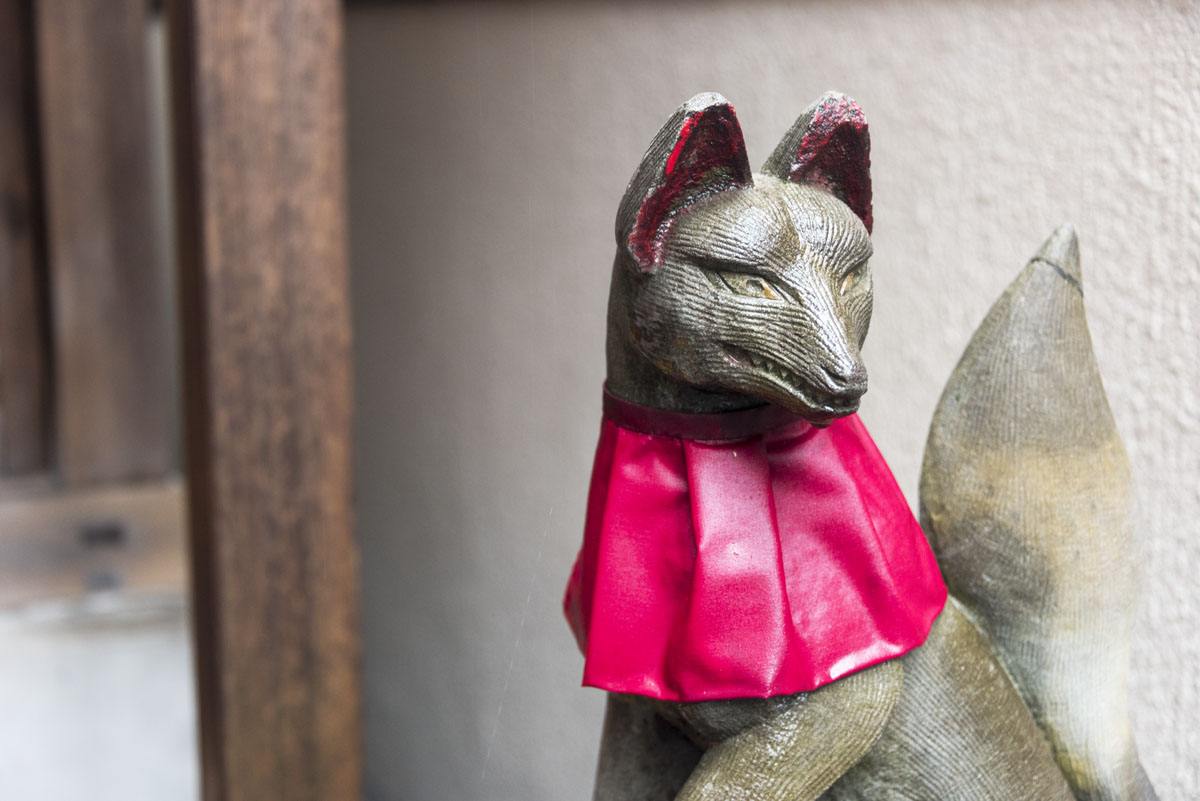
{"x":743,"y":555}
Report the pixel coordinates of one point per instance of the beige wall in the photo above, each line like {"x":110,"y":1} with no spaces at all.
{"x":489,"y":145}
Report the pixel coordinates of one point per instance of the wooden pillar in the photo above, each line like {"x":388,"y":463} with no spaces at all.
{"x":258,"y":118}
{"x":114,"y":346}
{"x":24,"y":365}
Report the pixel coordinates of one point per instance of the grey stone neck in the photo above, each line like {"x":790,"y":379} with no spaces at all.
{"x":633,"y":378}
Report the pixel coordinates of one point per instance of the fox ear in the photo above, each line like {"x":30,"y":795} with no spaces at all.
{"x":829,"y":147}
{"x":698,"y":152}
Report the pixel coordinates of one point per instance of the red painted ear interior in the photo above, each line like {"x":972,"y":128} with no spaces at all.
{"x":835,"y":154}
{"x":709,"y":156}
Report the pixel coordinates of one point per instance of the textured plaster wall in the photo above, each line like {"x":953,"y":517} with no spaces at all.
{"x":489,"y":145}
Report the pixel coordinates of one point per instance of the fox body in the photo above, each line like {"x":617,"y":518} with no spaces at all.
{"x":731,"y":289}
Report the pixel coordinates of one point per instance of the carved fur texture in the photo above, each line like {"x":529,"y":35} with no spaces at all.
{"x":960,"y":730}
{"x":1025,"y":498}
{"x":730,"y":289}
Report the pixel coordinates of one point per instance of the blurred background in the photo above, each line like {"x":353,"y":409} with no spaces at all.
{"x":488,"y":145}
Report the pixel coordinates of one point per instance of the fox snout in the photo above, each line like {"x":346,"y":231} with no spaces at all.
{"x":837,"y":393}
{"x":847,"y":383}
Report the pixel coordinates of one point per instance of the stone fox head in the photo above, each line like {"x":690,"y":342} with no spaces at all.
{"x":730,"y":288}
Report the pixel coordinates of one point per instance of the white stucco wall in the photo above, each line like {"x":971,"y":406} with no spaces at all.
{"x":97,"y":702}
{"x":489,"y":145}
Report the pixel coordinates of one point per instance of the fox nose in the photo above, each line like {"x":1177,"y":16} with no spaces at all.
{"x":847,"y":381}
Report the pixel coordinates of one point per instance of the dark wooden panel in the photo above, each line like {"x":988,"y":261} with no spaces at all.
{"x":111,"y":304}
{"x":24,"y":373}
{"x":258,"y":116}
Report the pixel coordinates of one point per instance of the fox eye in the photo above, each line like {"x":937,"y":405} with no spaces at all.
{"x":853,"y":278}
{"x":751,"y":286}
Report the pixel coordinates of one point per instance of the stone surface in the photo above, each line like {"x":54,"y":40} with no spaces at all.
{"x":1025,"y":499}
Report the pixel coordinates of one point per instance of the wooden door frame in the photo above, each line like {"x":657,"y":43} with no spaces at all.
{"x":259,"y":148}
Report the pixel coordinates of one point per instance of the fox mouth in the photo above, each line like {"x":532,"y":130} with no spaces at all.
{"x":817,"y":405}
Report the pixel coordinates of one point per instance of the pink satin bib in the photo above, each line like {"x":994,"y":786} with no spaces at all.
{"x":743,"y":555}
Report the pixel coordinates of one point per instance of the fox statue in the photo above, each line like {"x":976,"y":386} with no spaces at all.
{"x":766,"y":614}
